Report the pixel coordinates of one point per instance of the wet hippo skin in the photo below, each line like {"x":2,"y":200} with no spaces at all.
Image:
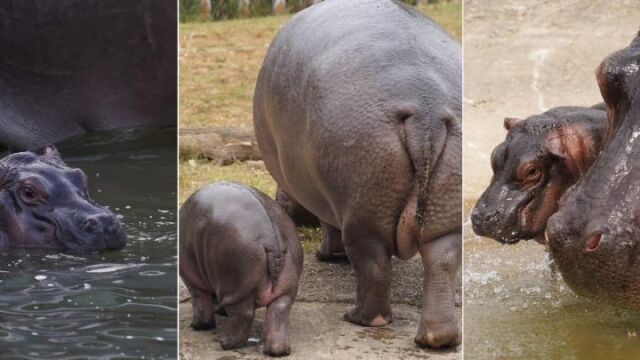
{"x":359,"y":122}
{"x":595,"y":237}
{"x":239,"y":246}
{"x":69,"y":67}
{"x":45,"y":204}
{"x":541,"y":157}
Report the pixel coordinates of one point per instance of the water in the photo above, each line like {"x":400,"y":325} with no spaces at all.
{"x":516,"y":306}
{"x":118,"y":304}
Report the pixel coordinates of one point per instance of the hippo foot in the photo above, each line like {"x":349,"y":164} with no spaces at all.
{"x":276,"y":349}
{"x":203,"y":325}
{"x":230,"y":344}
{"x":332,"y":258}
{"x":440,"y":335}
{"x":355,"y":316}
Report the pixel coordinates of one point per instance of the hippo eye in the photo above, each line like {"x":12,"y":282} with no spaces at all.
{"x":530,"y":173}
{"x":28,"y":193}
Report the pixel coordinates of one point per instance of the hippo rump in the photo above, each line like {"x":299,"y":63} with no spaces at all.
{"x":541,"y":157}
{"x":357,"y":113}
{"x":595,"y":235}
{"x":68,"y":67}
{"x":45,"y":204}
{"x":239,"y":246}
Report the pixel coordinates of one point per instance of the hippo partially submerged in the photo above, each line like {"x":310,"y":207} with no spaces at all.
{"x":46,"y":204}
{"x":239,"y":248}
{"x":69,"y":67}
{"x":595,"y":235}
{"x":541,"y":157}
{"x":357,"y":113}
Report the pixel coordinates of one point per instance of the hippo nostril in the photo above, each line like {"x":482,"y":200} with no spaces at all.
{"x":90,"y":225}
{"x":593,"y":241}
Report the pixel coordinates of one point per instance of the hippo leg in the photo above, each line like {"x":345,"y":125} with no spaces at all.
{"x":439,"y":325}
{"x":203,"y":312}
{"x":277,"y":342}
{"x":372,"y":264}
{"x":331,"y":247}
{"x":237,"y":332}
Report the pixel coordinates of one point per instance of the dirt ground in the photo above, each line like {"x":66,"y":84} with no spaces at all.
{"x":317,"y":331}
{"x":525,"y":56}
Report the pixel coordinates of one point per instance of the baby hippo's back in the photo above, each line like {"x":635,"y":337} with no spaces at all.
{"x":234,"y":242}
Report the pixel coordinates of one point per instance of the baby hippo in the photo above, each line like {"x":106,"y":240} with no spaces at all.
{"x":238,"y":251}
{"x":541,"y":157}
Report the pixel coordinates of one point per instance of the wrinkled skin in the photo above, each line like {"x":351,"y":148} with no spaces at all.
{"x":359,"y":122}
{"x":541,"y":157}
{"x":595,"y":236}
{"x":240,"y":248}
{"x":45,"y":204}
{"x":69,"y":67}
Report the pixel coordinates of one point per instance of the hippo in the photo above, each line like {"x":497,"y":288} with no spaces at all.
{"x":359,"y":123}
{"x":69,"y":67}
{"x":46,"y":204}
{"x":240,"y":248}
{"x":594,"y":237}
{"x":541,"y":157}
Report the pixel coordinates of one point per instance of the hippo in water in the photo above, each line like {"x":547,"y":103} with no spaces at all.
{"x":542,"y":156}
{"x":69,"y":67}
{"x":45,"y":204}
{"x":239,"y":248}
{"x":359,"y":122}
{"x":595,"y":235}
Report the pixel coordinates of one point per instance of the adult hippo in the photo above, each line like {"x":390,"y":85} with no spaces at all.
{"x":45,"y":204}
{"x":541,"y":157}
{"x":68,"y":67}
{"x":595,"y":235}
{"x":357,"y":113}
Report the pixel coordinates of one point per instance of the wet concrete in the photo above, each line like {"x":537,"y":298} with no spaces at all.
{"x":317,"y":330}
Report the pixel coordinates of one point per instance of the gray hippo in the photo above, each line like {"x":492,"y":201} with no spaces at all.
{"x":357,"y":113}
{"x":239,"y":247}
{"x":45,"y":204}
{"x":541,"y":157}
{"x":69,"y":67}
{"x":595,"y":235}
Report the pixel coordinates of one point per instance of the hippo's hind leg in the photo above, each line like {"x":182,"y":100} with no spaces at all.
{"x":331,"y":247}
{"x":238,"y":328}
{"x":299,"y":215}
{"x":371,"y":262}
{"x":277,"y":342}
{"x":439,"y":325}
{"x":203,"y":311}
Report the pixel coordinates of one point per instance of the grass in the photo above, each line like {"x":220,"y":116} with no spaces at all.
{"x":219,"y":64}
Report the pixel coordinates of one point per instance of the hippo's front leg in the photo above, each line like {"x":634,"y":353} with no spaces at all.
{"x":201,"y":301}
{"x":372,"y":264}
{"x":439,"y":325}
{"x":239,"y":326}
{"x":331,"y":247}
{"x":277,"y":342}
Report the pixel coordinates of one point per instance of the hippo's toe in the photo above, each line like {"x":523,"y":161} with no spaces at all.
{"x":440,"y":335}
{"x":277,"y":349}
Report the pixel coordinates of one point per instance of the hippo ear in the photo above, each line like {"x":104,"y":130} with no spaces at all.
{"x":52,"y":155}
{"x":6,"y":176}
{"x":51,"y":152}
{"x":510,"y":122}
{"x":575,"y":146}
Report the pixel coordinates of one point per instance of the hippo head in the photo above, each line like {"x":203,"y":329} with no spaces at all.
{"x":45,"y":204}
{"x":595,"y":235}
{"x":541,"y":157}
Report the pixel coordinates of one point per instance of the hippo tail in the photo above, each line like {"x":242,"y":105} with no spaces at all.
{"x":425,"y":141}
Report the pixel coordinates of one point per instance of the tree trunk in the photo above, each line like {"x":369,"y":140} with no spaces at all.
{"x":279,"y":6}
{"x":223,"y":146}
{"x":205,"y":10}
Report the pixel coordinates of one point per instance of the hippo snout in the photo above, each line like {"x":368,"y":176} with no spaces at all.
{"x":98,"y":231}
{"x":483,"y":219}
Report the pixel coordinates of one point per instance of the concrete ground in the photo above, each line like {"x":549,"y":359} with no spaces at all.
{"x":317,"y":330}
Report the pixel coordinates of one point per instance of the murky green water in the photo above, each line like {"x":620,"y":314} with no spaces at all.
{"x":118,"y":304}
{"x":516,"y":307}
